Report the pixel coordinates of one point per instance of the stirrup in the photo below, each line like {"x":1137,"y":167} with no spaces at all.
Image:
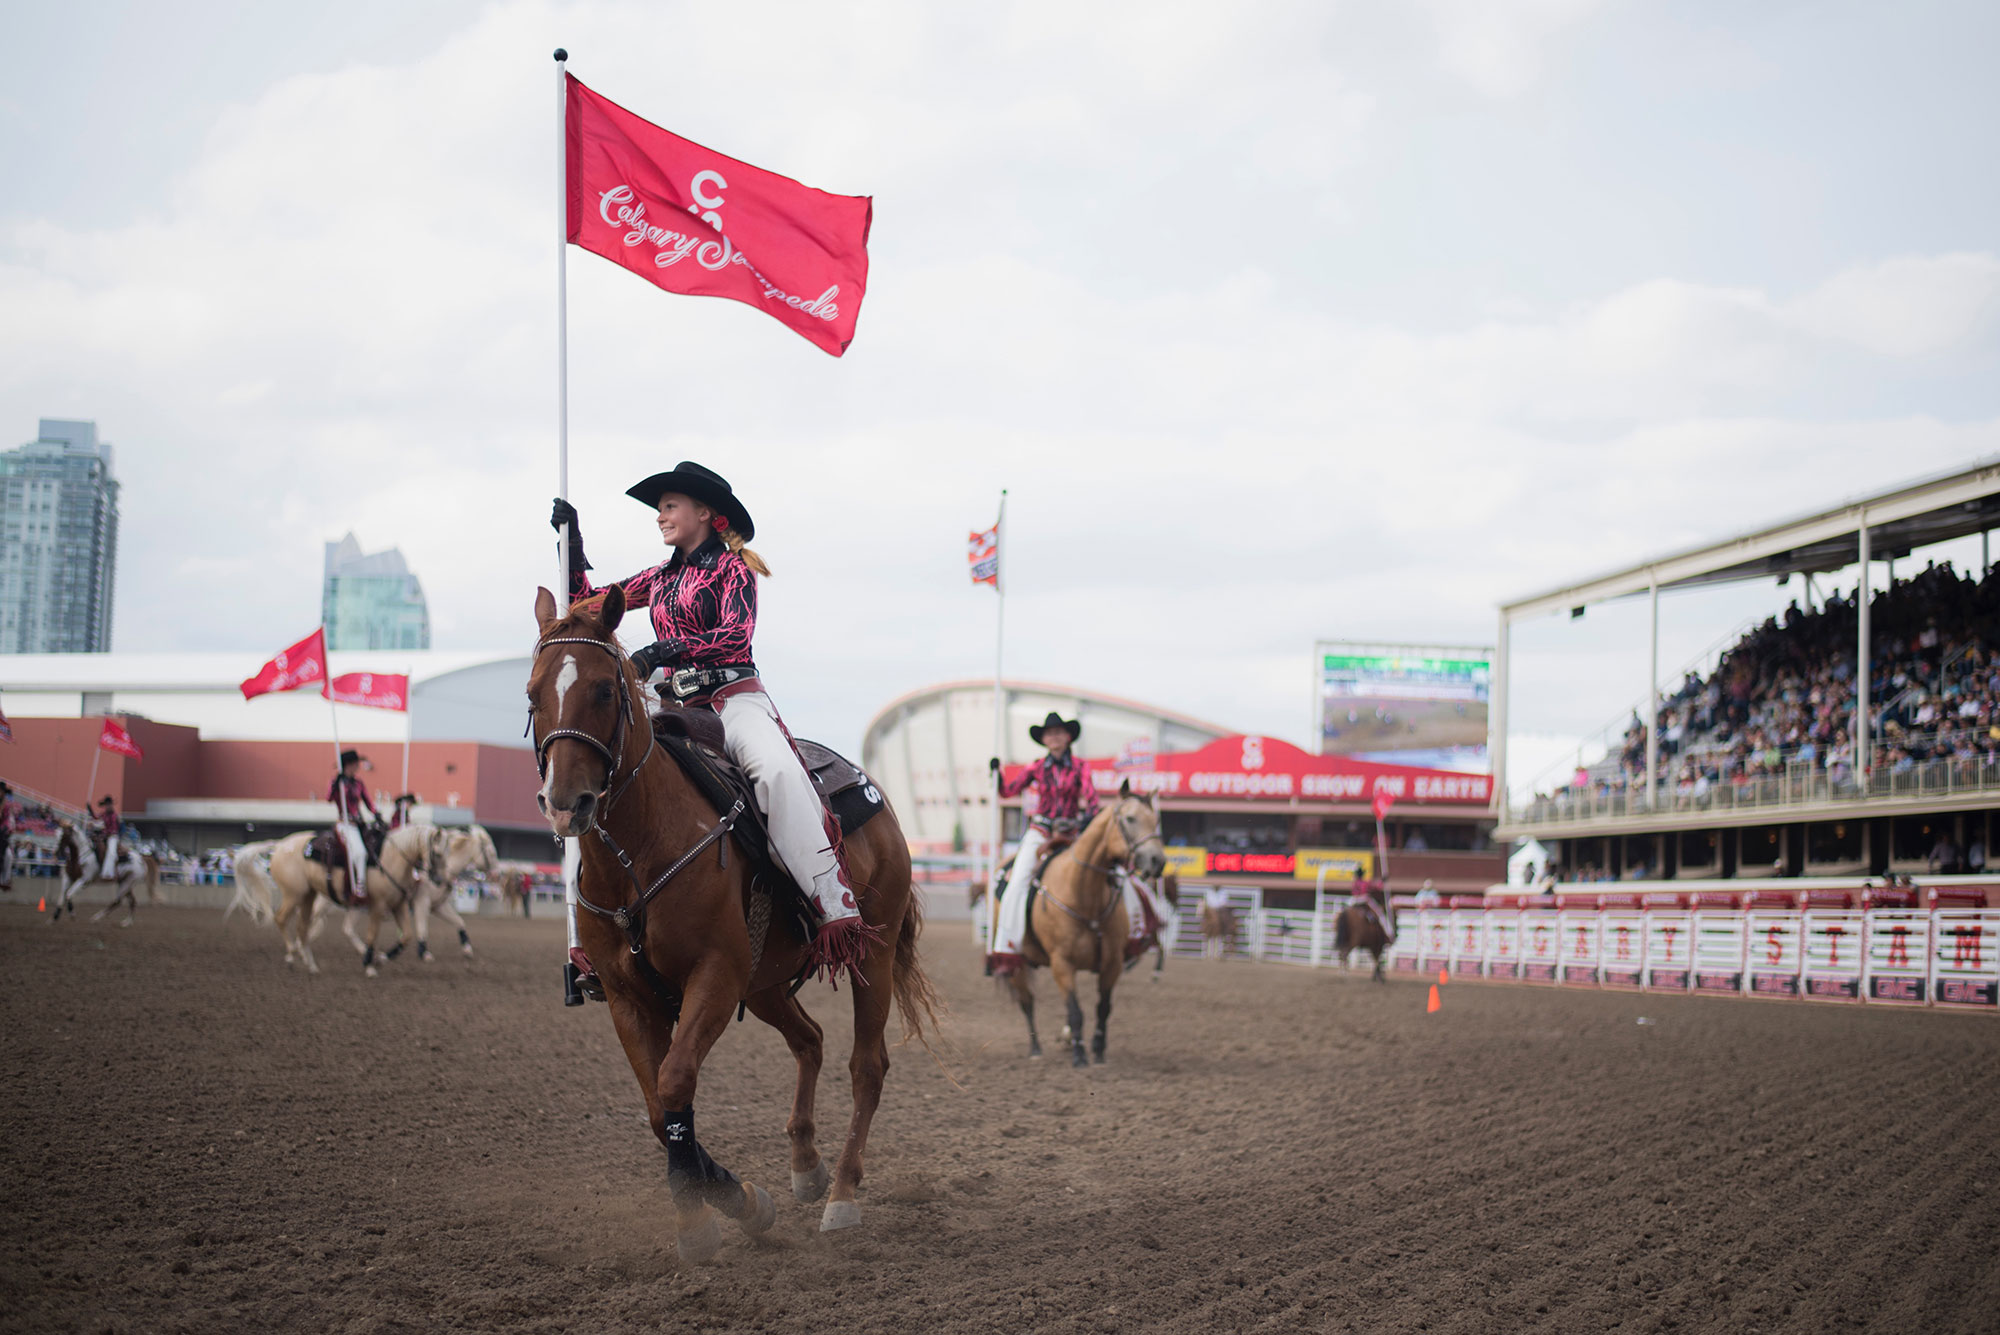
{"x":587,"y":981}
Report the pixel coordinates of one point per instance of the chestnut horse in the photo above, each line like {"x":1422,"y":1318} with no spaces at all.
{"x":1363,"y":925}
{"x":1077,"y":921}
{"x":674,"y":977}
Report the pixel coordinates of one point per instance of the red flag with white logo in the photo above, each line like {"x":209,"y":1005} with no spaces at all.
{"x":982,"y":553}
{"x":373,"y":689}
{"x":689,"y":220}
{"x":115,"y":739}
{"x":1384,"y":799}
{"x":304,"y":664}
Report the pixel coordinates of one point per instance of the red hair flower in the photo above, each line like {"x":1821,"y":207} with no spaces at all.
{"x":721,"y":523}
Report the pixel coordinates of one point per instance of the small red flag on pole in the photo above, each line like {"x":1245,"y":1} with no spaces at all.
{"x":304,"y":664}
{"x":118,"y":741}
{"x":982,"y":553}
{"x":376,"y":690}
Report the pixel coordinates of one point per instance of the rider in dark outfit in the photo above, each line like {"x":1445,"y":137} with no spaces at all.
{"x":350,"y":797}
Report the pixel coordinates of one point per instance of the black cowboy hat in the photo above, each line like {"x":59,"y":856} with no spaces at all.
{"x":105,"y":801}
{"x":1055,"y":720}
{"x":700,"y":484}
{"x":349,"y":757}
{"x":401,"y":798}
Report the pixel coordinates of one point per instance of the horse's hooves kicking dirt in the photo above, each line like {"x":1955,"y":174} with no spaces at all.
{"x":809,"y":1187}
{"x":701,"y":1242}
{"x":763,"y":1211}
{"x":839,"y":1215}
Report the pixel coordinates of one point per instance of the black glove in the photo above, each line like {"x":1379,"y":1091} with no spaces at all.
{"x":993,"y":767}
{"x":564,"y":513}
{"x":659,"y":654}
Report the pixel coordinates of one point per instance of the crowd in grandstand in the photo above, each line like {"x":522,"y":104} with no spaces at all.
{"x":1783,"y":697}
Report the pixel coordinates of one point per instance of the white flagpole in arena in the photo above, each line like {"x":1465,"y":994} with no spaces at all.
{"x":571,"y":859}
{"x":993,"y":886}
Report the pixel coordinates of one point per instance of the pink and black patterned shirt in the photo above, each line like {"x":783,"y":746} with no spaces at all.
{"x":348,"y":797}
{"x":1064,"y":795}
{"x":703,"y":604}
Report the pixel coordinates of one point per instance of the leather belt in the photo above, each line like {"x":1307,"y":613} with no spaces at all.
{"x":688,"y":683}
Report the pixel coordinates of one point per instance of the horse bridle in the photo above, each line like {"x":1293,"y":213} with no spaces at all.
{"x":1131,"y":850}
{"x":614,"y":754}
{"x":630,"y":918}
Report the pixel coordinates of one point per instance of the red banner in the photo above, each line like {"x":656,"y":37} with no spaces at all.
{"x":1384,"y":799}
{"x":982,"y":553}
{"x":689,"y":220}
{"x":304,"y":664}
{"x":116,"y":739}
{"x":373,"y":689}
{"x":1265,"y":768}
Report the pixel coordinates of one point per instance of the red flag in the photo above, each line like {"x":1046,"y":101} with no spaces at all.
{"x":373,"y":689}
{"x":690,"y":220}
{"x":6,"y":729}
{"x":1384,"y":799}
{"x":982,"y":552}
{"x":116,"y":739}
{"x":304,"y":664}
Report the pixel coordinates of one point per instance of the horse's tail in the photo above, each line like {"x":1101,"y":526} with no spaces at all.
{"x":255,"y":867}
{"x":916,"y":996}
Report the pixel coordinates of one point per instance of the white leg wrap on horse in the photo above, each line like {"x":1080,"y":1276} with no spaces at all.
{"x":792,"y":810}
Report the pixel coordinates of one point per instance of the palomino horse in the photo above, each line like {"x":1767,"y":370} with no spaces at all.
{"x":253,"y":889}
{"x":1077,"y":919}
{"x":77,"y":861}
{"x":407,"y":853}
{"x":1362,"y":925}
{"x":465,"y":850}
{"x":674,"y":978}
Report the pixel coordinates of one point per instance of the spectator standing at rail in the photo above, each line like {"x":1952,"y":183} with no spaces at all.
{"x":1945,"y":859}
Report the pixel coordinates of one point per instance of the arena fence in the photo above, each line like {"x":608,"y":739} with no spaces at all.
{"x":1879,"y":947}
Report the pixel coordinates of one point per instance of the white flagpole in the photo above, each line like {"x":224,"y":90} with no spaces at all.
{"x":572,"y":996}
{"x":96,"y":754}
{"x":993,"y":886}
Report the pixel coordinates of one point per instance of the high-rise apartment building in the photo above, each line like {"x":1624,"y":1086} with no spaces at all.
{"x":58,"y":542}
{"x":372,"y":601}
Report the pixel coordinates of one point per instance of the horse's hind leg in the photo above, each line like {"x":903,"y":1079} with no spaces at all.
{"x":869,"y":1066}
{"x":802,"y":1035}
{"x":1378,"y":967}
{"x":449,"y":912}
{"x":1024,"y":995}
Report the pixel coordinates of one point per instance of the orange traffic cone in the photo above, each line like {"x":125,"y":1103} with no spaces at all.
{"x":1444,"y":976}
{"x":1436,"y":1003}
{"x":42,"y":904}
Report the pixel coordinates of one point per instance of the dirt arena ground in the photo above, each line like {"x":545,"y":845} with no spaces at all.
{"x":197,"y":1140}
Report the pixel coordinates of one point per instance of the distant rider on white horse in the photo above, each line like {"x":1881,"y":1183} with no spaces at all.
{"x":108,"y":827}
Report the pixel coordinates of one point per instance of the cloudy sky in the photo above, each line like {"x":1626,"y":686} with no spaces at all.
{"x":1278,"y":321}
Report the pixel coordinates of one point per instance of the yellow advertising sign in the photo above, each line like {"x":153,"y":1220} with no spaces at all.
{"x":1343,"y":864}
{"x":1187,"y":861}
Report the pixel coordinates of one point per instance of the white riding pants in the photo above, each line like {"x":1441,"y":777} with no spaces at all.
{"x":110,"y":868}
{"x":1013,"y":928}
{"x":793,"y":814}
{"x":357,"y":854}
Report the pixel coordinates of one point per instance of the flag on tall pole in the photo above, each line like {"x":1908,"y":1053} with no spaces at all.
{"x":116,"y":740}
{"x":689,"y":220}
{"x":294,"y":668}
{"x":374,"y":690}
{"x":1384,"y":799}
{"x":992,"y":538}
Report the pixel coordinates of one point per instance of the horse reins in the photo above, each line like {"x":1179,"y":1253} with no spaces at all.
{"x":1096,"y":925}
{"x":630,"y":918}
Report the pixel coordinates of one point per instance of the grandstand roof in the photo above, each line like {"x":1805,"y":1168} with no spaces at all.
{"x":1900,"y":520}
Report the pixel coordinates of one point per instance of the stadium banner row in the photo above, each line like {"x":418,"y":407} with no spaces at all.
{"x":1818,"y":945}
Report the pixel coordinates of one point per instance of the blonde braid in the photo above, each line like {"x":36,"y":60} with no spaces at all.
{"x":734,"y":542}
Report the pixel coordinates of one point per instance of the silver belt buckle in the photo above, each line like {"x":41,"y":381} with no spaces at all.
{"x":685,"y":683}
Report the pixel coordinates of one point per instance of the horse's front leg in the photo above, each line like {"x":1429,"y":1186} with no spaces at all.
{"x":1107,"y":979}
{"x":1021,"y":984}
{"x":422,"y":910}
{"x":449,"y":912}
{"x":374,"y":934}
{"x":348,"y":920}
{"x":1378,"y":967}
{"x":802,"y":1035}
{"x":696,"y":1180}
{"x":1064,"y":974}
{"x":874,"y":993}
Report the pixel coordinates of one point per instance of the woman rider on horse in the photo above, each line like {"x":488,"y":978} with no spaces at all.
{"x":1064,"y":803}
{"x":703,"y":604}
{"x":349,"y":797}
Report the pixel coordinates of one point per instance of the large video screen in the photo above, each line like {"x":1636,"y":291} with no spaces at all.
{"x":1404,"y":704}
